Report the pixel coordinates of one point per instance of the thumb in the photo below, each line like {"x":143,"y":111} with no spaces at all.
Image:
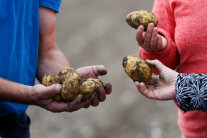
{"x":99,"y":70}
{"x":52,"y":90}
{"x":157,"y":64}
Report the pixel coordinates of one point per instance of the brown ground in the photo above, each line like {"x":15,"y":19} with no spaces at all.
{"x":94,"y":32}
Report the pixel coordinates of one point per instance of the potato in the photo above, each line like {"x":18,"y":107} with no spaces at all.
{"x":137,"y":69}
{"x":137,"y":18}
{"x":88,"y":86}
{"x":58,"y":98}
{"x":70,"y":89}
{"x":68,"y":72}
{"x":71,"y":85}
{"x":49,"y":79}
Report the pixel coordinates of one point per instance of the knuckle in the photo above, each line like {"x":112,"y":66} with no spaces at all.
{"x":156,"y":61}
{"x":147,"y":41}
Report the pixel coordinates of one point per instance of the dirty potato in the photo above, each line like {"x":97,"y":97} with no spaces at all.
{"x":137,"y":18}
{"x":137,"y":69}
{"x":68,"y":72}
{"x":70,"y":89}
{"x":88,"y":86}
{"x":57,"y":98}
{"x":48,"y":80}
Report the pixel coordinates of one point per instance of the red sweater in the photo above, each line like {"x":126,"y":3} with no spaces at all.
{"x":184,"y":25}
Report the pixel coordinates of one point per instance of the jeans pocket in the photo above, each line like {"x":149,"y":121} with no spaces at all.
{"x":24,"y":122}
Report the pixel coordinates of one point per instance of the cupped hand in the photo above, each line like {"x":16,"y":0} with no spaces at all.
{"x":159,"y":87}
{"x":43,"y":96}
{"x":150,"y":40}
{"x":94,"y":72}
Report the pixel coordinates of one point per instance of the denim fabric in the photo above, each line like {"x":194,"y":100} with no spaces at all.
{"x":15,"y":127}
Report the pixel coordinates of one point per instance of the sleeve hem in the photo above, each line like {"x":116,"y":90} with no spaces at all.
{"x":161,"y":53}
{"x":53,"y":5}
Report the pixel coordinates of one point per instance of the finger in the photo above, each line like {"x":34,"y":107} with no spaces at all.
{"x":51,"y":91}
{"x":101,"y":93}
{"x":87,"y":106}
{"x":84,"y":104}
{"x":139,"y":35}
{"x":57,"y":106}
{"x":54,"y":106}
{"x":73,"y":106}
{"x":157,"y":64}
{"x":147,"y":39}
{"x":153,"y":42}
{"x":159,"y":43}
{"x":108,"y":87}
{"x":145,"y":91}
{"x":99,"y":70}
{"x":151,"y":81}
{"x":95,"y":101}
{"x":137,"y":84}
{"x":87,"y":103}
{"x":141,"y":88}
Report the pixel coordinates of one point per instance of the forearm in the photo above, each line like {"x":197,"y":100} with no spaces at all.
{"x":191,"y":92}
{"x":166,"y":26}
{"x":51,"y":59}
{"x":51,"y":62}
{"x":14,"y":92}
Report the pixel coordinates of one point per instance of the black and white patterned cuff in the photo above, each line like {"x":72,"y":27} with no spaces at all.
{"x":191,"y":91}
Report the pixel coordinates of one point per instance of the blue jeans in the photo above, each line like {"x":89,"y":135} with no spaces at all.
{"x":15,"y":127}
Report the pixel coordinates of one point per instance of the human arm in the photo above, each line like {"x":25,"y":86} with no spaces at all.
{"x":150,"y":40}
{"x":166,"y":50}
{"x":189,"y":90}
{"x":35,"y":95}
{"x":159,"y":87}
{"x":52,"y":60}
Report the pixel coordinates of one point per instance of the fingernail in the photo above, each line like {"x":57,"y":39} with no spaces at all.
{"x":101,"y":70}
{"x":79,"y":98}
{"x":136,"y":82}
{"x":58,"y":88}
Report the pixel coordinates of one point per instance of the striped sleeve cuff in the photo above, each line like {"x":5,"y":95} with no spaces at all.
{"x":191,"y":91}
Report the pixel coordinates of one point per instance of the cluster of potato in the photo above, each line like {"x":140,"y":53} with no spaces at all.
{"x":72,"y":85}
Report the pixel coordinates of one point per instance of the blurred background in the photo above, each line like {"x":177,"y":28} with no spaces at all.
{"x":92,"y":32}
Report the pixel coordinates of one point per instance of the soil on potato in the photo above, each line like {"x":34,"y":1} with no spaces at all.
{"x":91,"y":32}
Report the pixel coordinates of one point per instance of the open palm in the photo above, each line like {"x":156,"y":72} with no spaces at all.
{"x":159,"y":87}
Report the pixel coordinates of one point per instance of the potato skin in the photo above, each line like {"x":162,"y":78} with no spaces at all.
{"x":136,"y":68}
{"x":49,"y":79}
{"x":68,"y":72}
{"x":142,"y":17}
{"x":70,"y":89}
{"x":58,"y":98}
{"x":72,"y":85}
{"x":88,"y":86}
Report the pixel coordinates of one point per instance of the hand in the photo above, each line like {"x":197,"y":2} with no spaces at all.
{"x":94,"y":72}
{"x":160,"y":87}
{"x":43,"y":97}
{"x":150,"y":40}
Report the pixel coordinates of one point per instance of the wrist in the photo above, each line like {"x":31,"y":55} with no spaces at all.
{"x":27,"y":95}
